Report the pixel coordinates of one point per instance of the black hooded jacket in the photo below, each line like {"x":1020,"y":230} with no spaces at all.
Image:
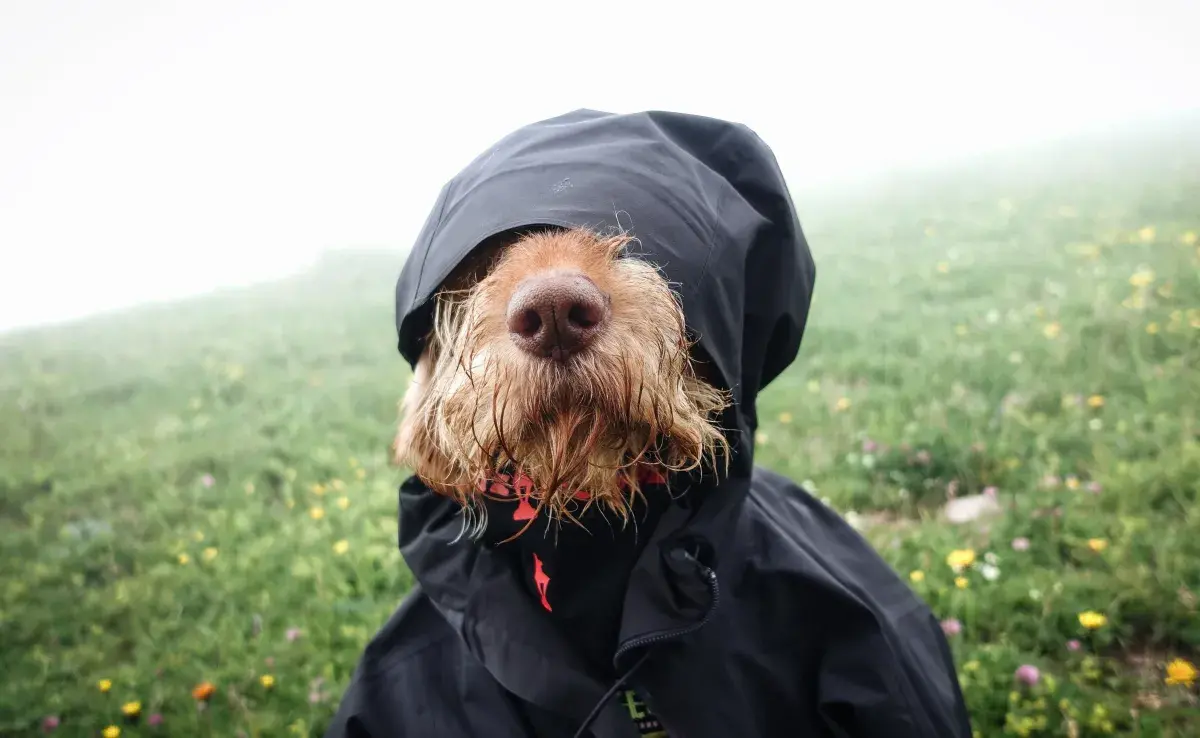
{"x":750,"y":609}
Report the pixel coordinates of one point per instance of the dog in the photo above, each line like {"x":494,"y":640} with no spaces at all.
{"x":584,"y":371}
{"x":561,"y":363}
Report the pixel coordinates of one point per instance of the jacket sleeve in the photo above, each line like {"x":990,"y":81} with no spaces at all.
{"x":889,"y":674}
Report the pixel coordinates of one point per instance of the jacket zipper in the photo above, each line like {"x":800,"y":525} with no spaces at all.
{"x":710,"y":578}
{"x":714,"y":590}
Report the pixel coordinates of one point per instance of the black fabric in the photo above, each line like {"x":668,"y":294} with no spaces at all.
{"x":751,"y":609}
{"x":576,"y":571}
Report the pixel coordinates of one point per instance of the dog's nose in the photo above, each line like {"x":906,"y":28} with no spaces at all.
{"x":555,"y":316}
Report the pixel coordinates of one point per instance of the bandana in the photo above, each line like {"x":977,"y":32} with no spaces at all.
{"x":577,"y":572}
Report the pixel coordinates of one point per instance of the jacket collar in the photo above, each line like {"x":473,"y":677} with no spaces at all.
{"x":671,"y":592}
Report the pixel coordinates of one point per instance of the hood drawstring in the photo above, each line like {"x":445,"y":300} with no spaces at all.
{"x":612,"y":691}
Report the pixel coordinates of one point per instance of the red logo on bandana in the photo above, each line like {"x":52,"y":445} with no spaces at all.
{"x":524,"y":486}
{"x":541,"y":580}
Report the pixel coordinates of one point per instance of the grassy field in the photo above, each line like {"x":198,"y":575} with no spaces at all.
{"x":197,"y":494}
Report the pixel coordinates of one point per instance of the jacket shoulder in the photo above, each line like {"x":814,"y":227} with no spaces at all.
{"x":885,"y":665}
{"x":791,"y":531}
{"x":417,"y":679}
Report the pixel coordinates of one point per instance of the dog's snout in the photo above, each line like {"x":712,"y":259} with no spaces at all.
{"x":556,"y":315}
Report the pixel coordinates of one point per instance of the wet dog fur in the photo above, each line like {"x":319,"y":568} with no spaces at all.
{"x":579,"y":430}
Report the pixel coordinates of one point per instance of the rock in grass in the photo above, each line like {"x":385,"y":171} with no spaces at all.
{"x":973,"y":507}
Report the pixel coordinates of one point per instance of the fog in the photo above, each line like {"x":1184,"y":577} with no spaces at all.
{"x":152,"y":150}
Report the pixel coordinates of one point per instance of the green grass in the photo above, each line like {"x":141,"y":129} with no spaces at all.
{"x":936,"y":293}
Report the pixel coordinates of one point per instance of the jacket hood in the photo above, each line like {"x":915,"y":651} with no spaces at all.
{"x":705,"y":199}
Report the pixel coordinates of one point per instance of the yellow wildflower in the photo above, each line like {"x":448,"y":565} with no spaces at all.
{"x":184,"y":559}
{"x":761,"y":438}
{"x":318,"y":489}
{"x":267,"y":681}
{"x":1052,"y":330}
{"x":343,"y":502}
{"x":1072,"y":482}
{"x":203,"y":691}
{"x":111,"y":731}
{"x":943,"y":267}
{"x":249,"y":488}
{"x":316,"y":513}
{"x":1142,"y":278}
{"x":785,"y":417}
{"x":198,"y":535}
{"x":1134,"y":302}
{"x":210,"y":553}
{"x":1188,"y":238}
{"x":131,"y":709}
{"x":360,"y":472}
{"x":338,"y":485}
{"x":1152,"y":328}
{"x":961,"y":330}
{"x":917,"y":576}
{"x":1095,"y":401}
{"x":104,"y":685}
{"x":341,"y":547}
{"x":843,"y":404}
{"x":960,"y":559}
{"x":1097,"y":544}
{"x":1181,"y":672}
{"x":1092,"y":620}
{"x":961,"y":582}
{"x":1147,"y":234}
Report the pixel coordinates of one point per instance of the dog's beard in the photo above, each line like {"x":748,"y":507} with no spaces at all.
{"x":585,"y":426}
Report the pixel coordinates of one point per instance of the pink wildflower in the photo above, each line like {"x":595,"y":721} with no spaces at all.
{"x":207,"y":480}
{"x":50,"y":723}
{"x":951,"y":626}
{"x":1074,"y":645}
{"x":1028,"y":674}
{"x":990,"y":491}
{"x":1020,"y":544}
{"x":154,"y":720}
{"x":1094,"y":487}
{"x":292,"y":634}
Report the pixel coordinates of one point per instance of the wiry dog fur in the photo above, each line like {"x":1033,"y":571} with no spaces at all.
{"x":478,"y":405}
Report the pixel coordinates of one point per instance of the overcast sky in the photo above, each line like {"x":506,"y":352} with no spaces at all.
{"x":154,"y":149}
